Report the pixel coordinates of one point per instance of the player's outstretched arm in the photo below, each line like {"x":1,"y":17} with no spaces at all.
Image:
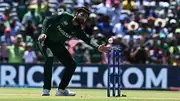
{"x":91,"y":41}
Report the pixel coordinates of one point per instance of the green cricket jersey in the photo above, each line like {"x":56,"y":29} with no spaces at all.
{"x":60,"y":28}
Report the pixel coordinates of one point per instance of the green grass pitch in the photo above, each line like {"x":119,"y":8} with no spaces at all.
{"x":34,"y":94}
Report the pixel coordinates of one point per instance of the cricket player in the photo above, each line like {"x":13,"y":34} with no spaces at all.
{"x":55,"y":31}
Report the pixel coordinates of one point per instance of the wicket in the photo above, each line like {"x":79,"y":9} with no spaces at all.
{"x":114,"y":61}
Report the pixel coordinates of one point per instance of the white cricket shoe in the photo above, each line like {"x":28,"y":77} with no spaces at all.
{"x":46,"y":92}
{"x":60,"y":92}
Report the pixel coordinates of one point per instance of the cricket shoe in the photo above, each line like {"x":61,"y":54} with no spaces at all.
{"x":46,"y":92}
{"x":60,"y":92}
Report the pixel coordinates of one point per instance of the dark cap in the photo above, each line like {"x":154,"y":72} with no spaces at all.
{"x":84,"y":9}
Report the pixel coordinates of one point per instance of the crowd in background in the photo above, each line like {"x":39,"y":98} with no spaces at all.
{"x":147,"y":31}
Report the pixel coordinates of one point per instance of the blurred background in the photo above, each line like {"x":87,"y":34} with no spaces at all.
{"x":147,"y":30}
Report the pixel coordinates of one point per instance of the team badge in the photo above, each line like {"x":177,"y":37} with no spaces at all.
{"x":65,"y":23}
{"x":73,"y":33}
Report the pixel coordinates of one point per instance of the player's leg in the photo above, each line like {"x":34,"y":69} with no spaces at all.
{"x":70,"y":65}
{"x":47,"y":76}
{"x":47,"y":68}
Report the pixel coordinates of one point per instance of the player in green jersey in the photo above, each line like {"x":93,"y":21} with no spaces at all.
{"x":55,"y":31}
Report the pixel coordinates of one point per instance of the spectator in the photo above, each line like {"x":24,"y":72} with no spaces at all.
{"x":119,"y":28}
{"x":28,"y":39}
{"x":178,"y":13}
{"x":163,"y":45}
{"x":156,"y":55}
{"x":15,"y":52}
{"x":71,"y":45}
{"x":95,"y":31}
{"x":128,"y":58}
{"x":159,"y":25}
{"x":2,"y":28}
{"x":140,"y":53}
{"x":131,"y":34}
{"x":178,"y":2}
{"x":174,"y":51}
{"x":21,"y":9}
{"x":39,"y":5}
{"x":15,"y":27}
{"x":33,"y":16}
{"x":152,"y":40}
{"x":97,"y":57}
{"x":115,"y":12}
{"x":82,"y":2}
{"x":62,"y":8}
{"x":3,"y":52}
{"x":132,"y":28}
{"x":144,"y":29}
{"x":20,"y":39}
{"x":81,"y":53}
{"x":172,"y":25}
{"x":30,"y":28}
{"x":128,"y":4}
{"x":177,"y":35}
{"x":105,"y":27}
{"x":29,"y":55}
{"x":7,"y":38}
{"x":6,"y":18}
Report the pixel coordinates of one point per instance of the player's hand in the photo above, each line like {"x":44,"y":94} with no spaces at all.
{"x":103,"y":48}
{"x":42,"y":37}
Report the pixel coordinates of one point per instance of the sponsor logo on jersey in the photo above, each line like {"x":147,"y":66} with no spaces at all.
{"x":63,"y":32}
{"x":73,"y":33}
{"x":65,"y":23}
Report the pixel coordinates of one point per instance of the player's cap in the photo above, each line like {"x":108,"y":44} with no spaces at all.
{"x":84,"y":9}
